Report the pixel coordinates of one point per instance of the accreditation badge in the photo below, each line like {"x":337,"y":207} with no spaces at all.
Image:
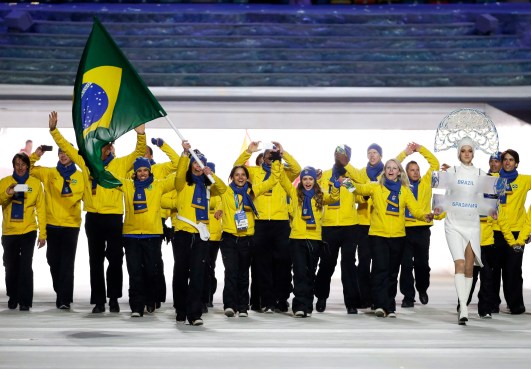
{"x":242,"y":223}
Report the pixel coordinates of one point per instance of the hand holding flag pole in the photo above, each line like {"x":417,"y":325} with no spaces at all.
{"x":210,"y":177}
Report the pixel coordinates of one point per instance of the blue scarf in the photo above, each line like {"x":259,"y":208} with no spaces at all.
{"x":66,"y":172}
{"x":337,"y":171}
{"x":105,"y":163}
{"x":267,"y":169}
{"x":374,"y":172}
{"x":139,"y":199}
{"x":307,"y":211}
{"x":510,"y":177}
{"x":152,"y":162}
{"x":17,"y":202}
{"x":415,"y":189}
{"x":199,"y":200}
{"x":246,"y":199}
{"x":392,"y":200}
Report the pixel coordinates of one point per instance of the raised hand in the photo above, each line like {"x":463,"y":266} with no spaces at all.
{"x":52,"y":120}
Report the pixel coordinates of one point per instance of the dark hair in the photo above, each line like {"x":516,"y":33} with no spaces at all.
{"x":23,"y":157}
{"x":410,"y":163}
{"x":513,"y":153}
{"x":189,"y":178}
{"x":150,"y":150}
{"x":319,"y":196}
{"x":231,"y":175}
{"x":260,"y":156}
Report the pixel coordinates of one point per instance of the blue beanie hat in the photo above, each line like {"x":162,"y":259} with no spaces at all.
{"x":376,"y":147}
{"x":212,"y":166}
{"x":141,"y":162}
{"x":346,"y":149}
{"x":200,"y":156}
{"x":496,"y":156}
{"x":308,"y":171}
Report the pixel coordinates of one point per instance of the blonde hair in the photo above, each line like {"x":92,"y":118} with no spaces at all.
{"x":402,"y":175}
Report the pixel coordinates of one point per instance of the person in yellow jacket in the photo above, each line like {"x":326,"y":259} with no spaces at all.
{"x":417,"y":244}
{"x":391,"y":195}
{"x":215,"y":213}
{"x":23,"y":211}
{"x":238,"y":224}
{"x":142,"y":232}
{"x":372,"y":172}
{"x":307,"y":201}
{"x":104,"y":218}
{"x":63,"y":190}
{"x":339,"y":232}
{"x":270,"y":261}
{"x":513,"y":212}
{"x":190,"y":247}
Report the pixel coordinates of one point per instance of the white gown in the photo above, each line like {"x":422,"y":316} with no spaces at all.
{"x":461,"y":224}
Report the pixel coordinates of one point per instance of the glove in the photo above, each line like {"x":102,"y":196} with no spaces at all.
{"x":157,"y":141}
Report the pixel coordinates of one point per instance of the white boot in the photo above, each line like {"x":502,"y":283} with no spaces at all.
{"x":461,"y":288}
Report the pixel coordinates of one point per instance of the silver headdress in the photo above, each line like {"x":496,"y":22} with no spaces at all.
{"x":472,"y":123}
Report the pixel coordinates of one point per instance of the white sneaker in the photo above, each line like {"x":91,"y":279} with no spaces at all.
{"x":243,"y":314}
{"x":135,"y":314}
{"x":380,"y":313}
{"x":197,"y":322}
{"x":229,"y":312}
{"x":486,"y":316}
{"x":308,"y":315}
{"x":392,"y":314}
{"x":299,"y":314}
{"x":268,"y":311}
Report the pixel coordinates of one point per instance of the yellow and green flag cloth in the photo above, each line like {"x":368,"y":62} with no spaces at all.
{"x":110,"y":99}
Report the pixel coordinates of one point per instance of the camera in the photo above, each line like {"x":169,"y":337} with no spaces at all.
{"x":46,"y":148}
{"x":275,"y":155}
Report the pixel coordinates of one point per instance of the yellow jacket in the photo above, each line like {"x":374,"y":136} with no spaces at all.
{"x":104,"y":201}
{"x":61,"y":211}
{"x":346,"y":214}
{"x":185,"y":194}
{"x":385,"y":225}
{"x":526,"y":230}
{"x":228,"y":202}
{"x":272,"y":205}
{"x":364,"y":205}
{"x":486,"y":231}
{"x":162,"y":170}
{"x":514,"y":209}
{"x":424,"y":190}
{"x":33,"y":205}
{"x":299,"y":229}
{"x":148,"y":222}
{"x":214,"y":224}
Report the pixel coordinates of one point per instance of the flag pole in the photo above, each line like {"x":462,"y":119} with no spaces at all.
{"x":194,"y":155}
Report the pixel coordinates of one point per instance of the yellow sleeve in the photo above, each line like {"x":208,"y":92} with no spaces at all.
{"x":402,"y":156}
{"x":364,"y":189}
{"x":505,"y":226}
{"x":168,"y":183}
{"x":68,"y":149}
{"x":180,"y":175}
{"x":432,"y":161}
{"x":41,"y":214}
{"x":333,"y":196}
{"x":262,"y":187}
{"x":36,"y":171}
{"x":526,"y":229}
{"x":218,"y":188}
{"x":413,"y":205}
{"x":294,"y":169}
{"x":244,"y":156}
{"x":355,"y":174}
{"x":172,"y":155}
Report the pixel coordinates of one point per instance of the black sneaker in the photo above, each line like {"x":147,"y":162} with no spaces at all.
{"x":98,"y":308}
{"x":113,"y":306}
{"x":204,"y":308}
{"x":352,"y":310}
{"x":11,"y":304}
{"x":320,"y":305}
{"x":407,"y":304}
{"x":150,"y":309}
{"x":423,"y":297}
{"x":24,"y":308}
{"x":64,"y":306}
{"x":180,"y":317}
{"x":281,"y":307}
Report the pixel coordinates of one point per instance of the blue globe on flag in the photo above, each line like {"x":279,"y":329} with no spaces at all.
{"x":94,"y":103}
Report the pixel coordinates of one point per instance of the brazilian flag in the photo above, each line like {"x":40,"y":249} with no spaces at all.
{"x":110,"y":99}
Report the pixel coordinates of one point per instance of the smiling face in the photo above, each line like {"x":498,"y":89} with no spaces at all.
{"x":64,"y":159}
{"x":20,"y":167}
{"x":374,"y":157}
{"x":142,"y":173}
{"x":239,"y":177}
{"x":308,"y":182}
{"x":509,"y":163}
{"x":495,"y":165}
{"x":391,"y":171}
{"x":196,"y":169}
{"x":466,"y":154}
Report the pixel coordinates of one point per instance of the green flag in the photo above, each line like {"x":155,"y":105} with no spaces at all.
{"x":110,"y":99}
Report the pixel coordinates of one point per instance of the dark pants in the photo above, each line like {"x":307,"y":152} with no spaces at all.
{"x":104,"y":235}
{"x":386,"y":257}
{"x":142,"y":256}
{"x":190,"y":255}
{"x":161,"y":290}
{"x":18,"y":258}
{"x":273,"y":262}
{"x":416,"y":257}
{"x":486,"y":295}
{"x":364,"y":265}
{"x":334,"y":239}
{"x":236,"y":256}
{"x":61,"y":255}
{"x":305,"y":255}
{"x":511,"y":273}
{"x":211,"y":283}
